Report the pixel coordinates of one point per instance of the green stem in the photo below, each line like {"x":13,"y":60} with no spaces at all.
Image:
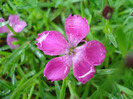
{"x":10,"y":28}
{"x":63,"y":89}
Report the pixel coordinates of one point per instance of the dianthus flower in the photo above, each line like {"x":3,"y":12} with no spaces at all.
{"x":83,"y":57}
{"x":17,"y":26}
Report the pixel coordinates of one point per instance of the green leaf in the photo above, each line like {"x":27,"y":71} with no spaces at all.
{"x":21,"y":72}
{"x":125,"y":89}
{"x":82,"y":8}
{"x":107,"y":28}
{"x":63,"y":90}
{"x":112,"y":39}
{"x":121,"y":39}
{"x":129,"y":36}
{"x":31,"y":91}
{"x":41,"y":89}
{"x":25,"y":84}
{"x":12,"y":57}
{"x":57,"y":89}
{"x":73,"y":91}
{"x":58,"y":2}
{"x":106,"y":71}
{"x":6,"y":47}
{"x":55,"y":15}
{"x":86,"y":91}
{"x":4,"y":53}
{"x":11,"y":29}
{"x":38,"y":53}
{"x":33,"y":2}
{"x":3,"y":23}
{"x":90,"y":36}
{"x":57,"y":28}
{"x":4,"y":84}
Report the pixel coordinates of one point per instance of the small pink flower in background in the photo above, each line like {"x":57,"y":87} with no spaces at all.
{"x":83,"y":58}
{"x":17,"y":26}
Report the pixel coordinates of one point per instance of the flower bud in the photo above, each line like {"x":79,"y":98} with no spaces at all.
{"x":107,"y":12}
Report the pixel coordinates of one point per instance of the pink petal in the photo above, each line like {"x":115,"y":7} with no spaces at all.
{"x":52,"y":43}
{"x":83,"y":70}
{"x":57,"y":68}
{"x":10,"y":39}
{"x":3,"y":29}
{"x":13,"y":19}
{"x":19,"y":26}
{"x":76,"y":29}
{"x":95,"y":52}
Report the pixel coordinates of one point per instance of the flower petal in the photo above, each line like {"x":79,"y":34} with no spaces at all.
{"x":19,"y":26}
{"x":13,"y":19}
{"x":52,"y":43}
{"x":82,"y":69}
{"x":10,"y":39}
{"x":3,"y":29}
{"x":95,"y":52}
{"x":57,"y":68}
{"x":76,"y":29}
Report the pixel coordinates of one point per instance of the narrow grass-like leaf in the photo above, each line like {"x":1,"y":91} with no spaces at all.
{"x":63,"y":90}
{"x":75,"y":10}
{"x":3,"y":48}
{"x":86,"y":91}
{"x":112,"y":39}
{"x":31,"y":91}
{"x":82,"y":8}
{"x":22,"y":86}
{"x":21,"y":72}
{"x":55,"y":15}
{"x":73,"y":91}
{"x":101,"y":27}
{"x":33,"y":2}
{"x":57,"y":28}
{"x":12,"y":5}
{"x":11,"y":57}
{"x":41,"y":89}
{"x":90,"y":36}
{"x":4,"y":53}
{"x":38,"y":53}
{"x":57,"y":89}
{"x":121,"y":39}
{"x":106,"y":71}
{"x":58,"y":2}
{"x":6,"y":85}
{"x":125,"y":89}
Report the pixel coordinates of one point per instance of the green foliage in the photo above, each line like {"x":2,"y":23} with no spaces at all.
{"x":3,"y":23}
{"x":21,"y":69}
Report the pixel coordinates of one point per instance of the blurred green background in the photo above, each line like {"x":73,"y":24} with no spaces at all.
{"x":21,"y":70}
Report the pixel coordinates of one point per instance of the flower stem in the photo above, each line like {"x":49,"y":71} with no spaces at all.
{"x":63,"y":89}
{"x":10,"y":28}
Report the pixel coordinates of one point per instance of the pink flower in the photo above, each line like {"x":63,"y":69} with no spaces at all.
{"x":17,"y":26}
{"x":83,"y":58}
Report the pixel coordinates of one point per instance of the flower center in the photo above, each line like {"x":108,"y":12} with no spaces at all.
{"x":71,"y":51}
